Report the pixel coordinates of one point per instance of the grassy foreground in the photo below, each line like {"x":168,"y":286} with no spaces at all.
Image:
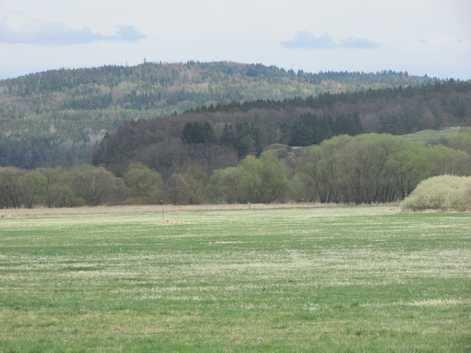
{"x":234,"y":280}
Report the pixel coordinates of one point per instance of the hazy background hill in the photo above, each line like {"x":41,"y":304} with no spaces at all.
{"x":54,"y":117}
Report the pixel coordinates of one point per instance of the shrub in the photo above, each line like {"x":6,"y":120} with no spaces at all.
{"x":145,"y":185}
{"x":188,"y":186}
{"x":440,"y":193}
{"x":254,"y":180}
{"x":96,"y":185}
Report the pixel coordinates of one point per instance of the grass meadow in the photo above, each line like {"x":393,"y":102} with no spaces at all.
{"x":234,"y":279}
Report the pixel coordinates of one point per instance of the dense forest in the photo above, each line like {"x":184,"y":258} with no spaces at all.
{"x":374,"y":140}
{"x":219,"y":136}
{"x":56,"y":117}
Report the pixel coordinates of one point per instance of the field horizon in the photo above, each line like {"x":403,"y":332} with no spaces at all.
{"x":179,"y":208}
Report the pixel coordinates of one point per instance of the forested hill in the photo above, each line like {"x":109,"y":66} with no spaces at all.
{"x":54,"y":117}
{"x":219,"y":136}
{"x":210,"y":82}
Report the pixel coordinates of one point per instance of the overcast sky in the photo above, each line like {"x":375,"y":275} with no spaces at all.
{"x":421,"y":36}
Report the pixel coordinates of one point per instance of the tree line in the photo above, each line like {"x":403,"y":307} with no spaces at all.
{"x":351,"y":169}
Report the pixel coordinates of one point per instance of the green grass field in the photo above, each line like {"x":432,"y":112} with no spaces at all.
{"x":363,"y":279}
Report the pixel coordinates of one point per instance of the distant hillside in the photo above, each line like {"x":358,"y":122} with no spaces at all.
{"x":455,"y":137}
{"x":219,"y":136}
{"x":54,"y":117}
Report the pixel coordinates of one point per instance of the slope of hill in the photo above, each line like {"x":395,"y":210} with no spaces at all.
{"x":455,"y":137}
{"x":54,"y":117}
{"x":219,"y":136}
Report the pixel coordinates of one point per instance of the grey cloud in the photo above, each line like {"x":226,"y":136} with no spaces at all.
{"x":59,"y":34}
{"x":307,"y":40}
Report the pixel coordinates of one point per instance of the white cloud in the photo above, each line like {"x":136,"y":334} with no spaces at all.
{"x":52,"y":33}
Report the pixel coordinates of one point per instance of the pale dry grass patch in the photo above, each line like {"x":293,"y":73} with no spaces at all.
{"x":438,"y":302}
{"x":158,"y":210}
{"x":435,"y":302}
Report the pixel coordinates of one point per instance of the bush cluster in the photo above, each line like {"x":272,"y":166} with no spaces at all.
{"x":444,"y":192}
